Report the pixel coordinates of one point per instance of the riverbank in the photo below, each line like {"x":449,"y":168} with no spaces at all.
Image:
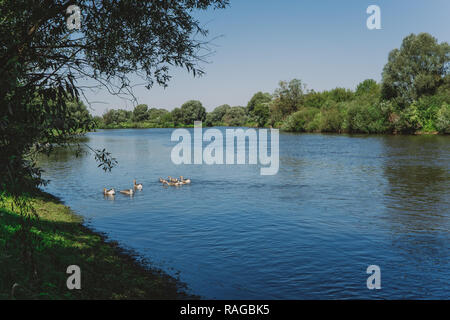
{"x":253,"y":126}
{"x":58,"y":240}
{"x":145,"y":125}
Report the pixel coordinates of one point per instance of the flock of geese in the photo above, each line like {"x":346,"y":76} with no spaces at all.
{"x":138,"y":186}
{"x":174,"y":181}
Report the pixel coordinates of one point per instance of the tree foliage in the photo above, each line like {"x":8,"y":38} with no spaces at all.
{"x":141,"y":113}
{"x":261,"y":114}
{"x":216,"y":116}
{"x":287,"y":99}
{"x":42,"y":62}
{"x":235,"y":117}
{"x":258,"y":98}
{"x":418,"y":68}
{"x":192,"y":111}
{"x":293,"y":108}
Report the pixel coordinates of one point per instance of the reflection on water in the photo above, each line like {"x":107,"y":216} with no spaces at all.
{"x":338,"y":204}
{"x":417,"y":169}
{"x":109,"y":197}
{"x":417,"y":205}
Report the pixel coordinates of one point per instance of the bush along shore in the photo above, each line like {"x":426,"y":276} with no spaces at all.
{"x":36,"y":250}
{"x":412,"y":98}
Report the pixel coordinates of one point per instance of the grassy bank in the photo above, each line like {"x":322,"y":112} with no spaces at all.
{"x":58,"y":240}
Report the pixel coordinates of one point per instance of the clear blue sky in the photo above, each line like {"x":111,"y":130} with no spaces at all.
{"x":325,"y":43}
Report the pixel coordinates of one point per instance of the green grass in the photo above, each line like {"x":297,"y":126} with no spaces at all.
{"x":59,"y":239}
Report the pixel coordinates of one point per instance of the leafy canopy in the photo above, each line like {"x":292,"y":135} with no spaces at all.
{"x":42,"y":64}
{"x":418,"y":68}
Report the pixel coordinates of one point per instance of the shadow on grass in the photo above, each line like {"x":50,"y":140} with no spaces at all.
{"x":59,"y":240}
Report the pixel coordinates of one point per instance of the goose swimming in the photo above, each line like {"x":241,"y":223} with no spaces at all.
{"x":185,"y":181}
{"x":137,"y":186}
{"x":173,"y":184}
{"x":127,"y":192}
{"x":110,"y":192}
{"x":174,"y":180}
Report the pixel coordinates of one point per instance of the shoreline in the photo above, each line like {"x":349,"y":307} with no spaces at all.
{"x":59,"y":238}
{"x":417,"y":133}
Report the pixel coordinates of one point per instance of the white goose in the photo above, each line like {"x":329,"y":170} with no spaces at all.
{"x":110,"y":192}
{"x":129,"y":192}
{"x":138,"y":186}
{"x":187,"y":181}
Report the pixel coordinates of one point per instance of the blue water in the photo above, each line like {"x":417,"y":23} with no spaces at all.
{"x":337,"y":205}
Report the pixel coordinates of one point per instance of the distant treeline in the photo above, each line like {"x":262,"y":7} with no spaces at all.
{"x":413,"y":97}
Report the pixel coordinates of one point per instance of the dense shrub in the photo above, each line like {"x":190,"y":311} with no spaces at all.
{"x":98,"y":121}
{"x":339,"y":95}
{"x":368,"y":87}
{"x":300,"y":120}
{"x":314,"y":99}
{"x":215,"y":117}
{"x":116,"y":117}
{"x":287,"y":99}
{"x":397,"y":105}
{"x":410,"y":120}
{"x":333,"y":120}
{"x":443,"y":119}
{"x":261,"y":114}
{"x":140,"y":113}
{"x":235,"y":117}
{"x":366,"y":118}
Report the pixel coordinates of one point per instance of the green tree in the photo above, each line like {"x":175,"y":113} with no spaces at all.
{"x":261,"y":114}
{"x":140,"y":113}
{"x":367,"y":87}
{"x":287,"y":99}
{"x":123,"y":116}
{"x":235,"y":117}
{"x":301,"y":121}
{"x":339,"y":95}
{"x":99,"y":122}
{"x":333,"y":120}
{"x":367,"y":117}
{"x":155,"y":115}
{"x":418,"y":68}
{"x":208,"y":120}
{"x":314,"y":99}
{"x":41,"y":62}
{"x":410,"y":120}
{"x":177,"y":117}
{"x":443,"y":119}
{"x":166,"y":119}
{"x":192,"y":111}
{"x":78,"y":115}
{"x":110,"y":117}
{"x":216,"y":116}
{"x":257,"y":99}
{"x":116,"y":117}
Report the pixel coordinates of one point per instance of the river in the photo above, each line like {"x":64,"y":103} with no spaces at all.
{"x":338,"y":204}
